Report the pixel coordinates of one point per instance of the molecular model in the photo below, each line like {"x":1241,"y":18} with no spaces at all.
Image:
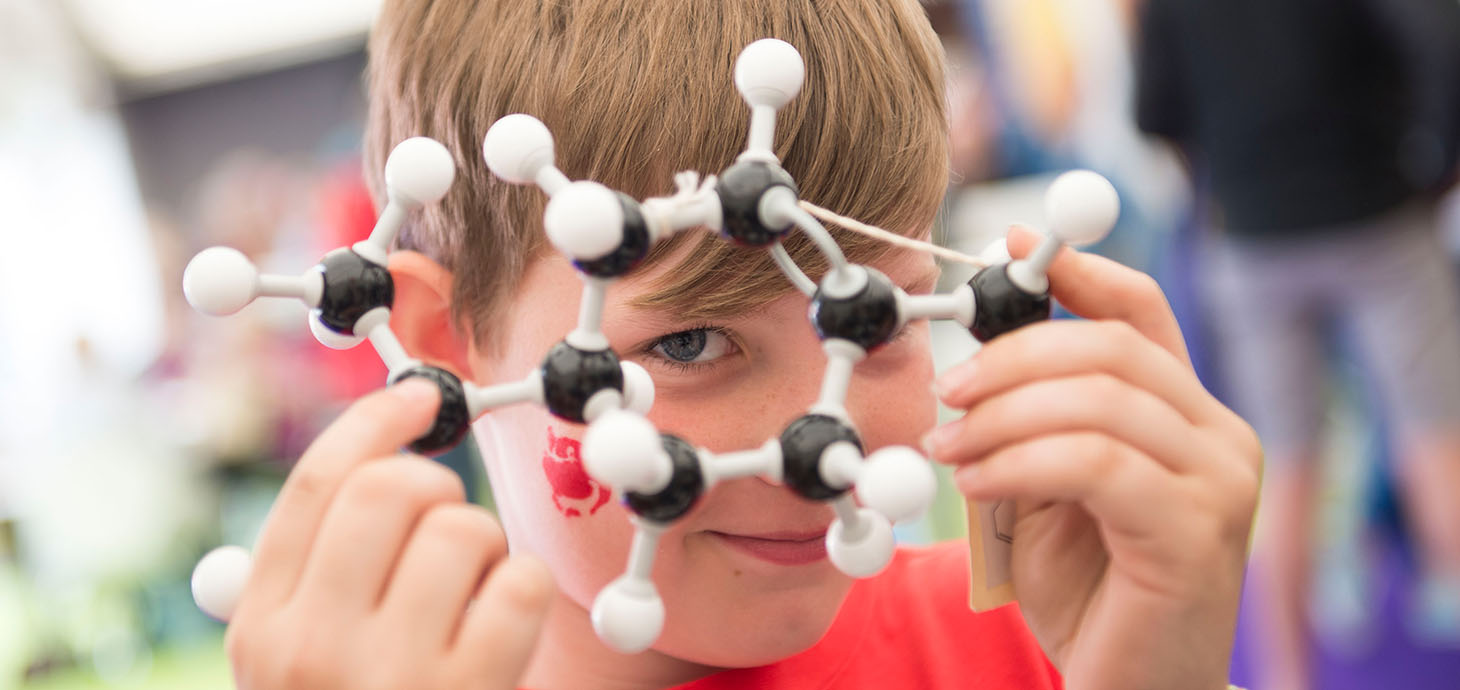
{"x":660,"y":477}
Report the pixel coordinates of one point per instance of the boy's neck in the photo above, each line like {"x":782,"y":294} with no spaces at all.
{"x":570,"y":655}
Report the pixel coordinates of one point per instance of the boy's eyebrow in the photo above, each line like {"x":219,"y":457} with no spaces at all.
{"x":683,"y":307}
{"x":707,"y":279}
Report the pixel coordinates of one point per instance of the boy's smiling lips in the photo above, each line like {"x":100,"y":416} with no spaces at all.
{"x":780,"y":547}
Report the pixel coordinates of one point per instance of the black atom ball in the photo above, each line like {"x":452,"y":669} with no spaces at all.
{"x":867,"y":318}
{"x":740,"y":188}
{"x":452,"y":418}
{"x":802,"y":444}
{"x":353,"y":285}
{"x":686,"y":485}
{"x":1001,"y":306}
{"x":570,"y":378}
{"x":633,"y":248}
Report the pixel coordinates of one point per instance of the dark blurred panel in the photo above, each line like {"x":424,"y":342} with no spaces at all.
{"x":177,"y":137}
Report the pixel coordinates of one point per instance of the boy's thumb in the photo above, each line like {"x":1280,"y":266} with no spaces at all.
{"x":1021,"y":241}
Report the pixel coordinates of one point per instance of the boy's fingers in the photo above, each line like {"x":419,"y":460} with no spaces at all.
{"x":366,"y":529}
{"x":1067,"y":347}
{"x":1095,"y":287}
{"x":1119,"y":485}
{"x":1092,"y":402}
{"x":441,"y":569}
{"x":500,"y":630}
{"x":374,"y":426}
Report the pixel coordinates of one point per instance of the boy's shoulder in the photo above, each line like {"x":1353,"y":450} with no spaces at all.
{"x":910,"y":627}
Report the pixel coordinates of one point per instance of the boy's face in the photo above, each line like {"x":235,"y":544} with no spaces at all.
{"x":726,"y":385}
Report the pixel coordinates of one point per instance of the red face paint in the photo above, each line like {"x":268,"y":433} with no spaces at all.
{"x":574,"y":492}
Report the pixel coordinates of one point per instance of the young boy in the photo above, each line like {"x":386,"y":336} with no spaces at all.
{"x":1135,"y":487}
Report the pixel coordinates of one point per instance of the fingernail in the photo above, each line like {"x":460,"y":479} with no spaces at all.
{"x":939,"y":437}
{"x":966,"y":476}
{"x":957,"y":379}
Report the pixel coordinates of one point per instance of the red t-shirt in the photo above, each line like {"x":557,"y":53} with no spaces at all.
{"x":909,"y":627}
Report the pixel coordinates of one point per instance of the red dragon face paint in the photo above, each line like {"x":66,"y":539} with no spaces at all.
{"x":574,"y":492}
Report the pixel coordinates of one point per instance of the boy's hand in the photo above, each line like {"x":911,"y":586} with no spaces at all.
{"x":1135,"y":488}
{"x":365,"y":569}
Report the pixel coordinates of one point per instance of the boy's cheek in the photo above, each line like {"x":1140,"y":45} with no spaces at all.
{"x":895,"y":409}
{"x":574,"y":493}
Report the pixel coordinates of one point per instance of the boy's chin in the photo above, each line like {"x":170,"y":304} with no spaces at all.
{"x":756,"y":630}
{"x":764,"y":645}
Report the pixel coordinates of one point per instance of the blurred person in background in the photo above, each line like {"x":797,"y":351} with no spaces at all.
{"x":244,"y":373}
{"x":237,"y":372}
{"x":1324,"y":131}
{"x":1037,"y":87}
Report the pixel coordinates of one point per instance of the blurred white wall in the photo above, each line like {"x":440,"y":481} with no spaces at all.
{"x":160,"y":44}
{"x":75,"y":258}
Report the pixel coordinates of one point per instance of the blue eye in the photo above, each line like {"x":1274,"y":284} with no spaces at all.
{"x":693,"y":346}
{"x":684,"y":346}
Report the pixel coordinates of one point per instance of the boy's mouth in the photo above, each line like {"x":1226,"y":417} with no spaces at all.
{"x":781,"y":548}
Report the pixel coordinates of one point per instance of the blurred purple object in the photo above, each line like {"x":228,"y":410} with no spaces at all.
{"x":1392,"y":660}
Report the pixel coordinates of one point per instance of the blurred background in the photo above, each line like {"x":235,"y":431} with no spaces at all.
{"x":135,"y":434}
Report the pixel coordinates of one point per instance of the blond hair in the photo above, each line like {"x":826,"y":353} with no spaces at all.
{"x":635,"y":90}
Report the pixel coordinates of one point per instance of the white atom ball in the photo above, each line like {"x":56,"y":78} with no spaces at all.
{"x":517,"y":147}
{"x":769,"y":72}
{"x":329,"y":338}
{"x":638,"y":387}
{"x":218,"y":580}
{"x":625,"y":619}
{"x":584,"y":220}
{"x":867,"y":555}
{"x":997,"y":252}
{"x":419,"y":171}
{"x":1082,"y":207}
{"x":220,"y":281}
{"x":897,"y":482}
{"x":623,"y":450}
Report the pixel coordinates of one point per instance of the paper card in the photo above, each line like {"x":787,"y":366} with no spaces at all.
{"x":991,"y":550}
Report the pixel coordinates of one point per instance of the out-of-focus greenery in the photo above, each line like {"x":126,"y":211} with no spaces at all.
{"x":198,"y":666}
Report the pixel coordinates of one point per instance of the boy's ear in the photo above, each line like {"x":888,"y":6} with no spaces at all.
{"x":421,"y":315}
